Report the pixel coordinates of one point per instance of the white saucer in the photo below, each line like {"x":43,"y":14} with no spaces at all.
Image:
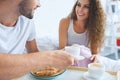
{"x":86,"y":76}
{"x":80,"y":57}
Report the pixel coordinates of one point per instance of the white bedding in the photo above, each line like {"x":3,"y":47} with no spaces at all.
{"x":47,"y":43}
{"x":110,"y":65}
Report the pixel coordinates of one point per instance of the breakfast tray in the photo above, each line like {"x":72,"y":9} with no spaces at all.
{"x":110,"y":75}
{"x":75,"y":73}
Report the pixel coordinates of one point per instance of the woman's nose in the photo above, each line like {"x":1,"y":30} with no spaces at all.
{"x":80,"y":9}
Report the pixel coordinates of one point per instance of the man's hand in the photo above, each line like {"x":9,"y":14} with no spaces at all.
{"x":57,"y":58}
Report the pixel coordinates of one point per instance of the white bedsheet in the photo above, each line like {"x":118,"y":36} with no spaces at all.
{"x":110,"y":65}
{"x":47,"y":43}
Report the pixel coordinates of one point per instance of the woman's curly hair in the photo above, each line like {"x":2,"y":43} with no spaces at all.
{"x":95,"y":23}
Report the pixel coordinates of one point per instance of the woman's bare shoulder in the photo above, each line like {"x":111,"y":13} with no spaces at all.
{"x":65,"y":22}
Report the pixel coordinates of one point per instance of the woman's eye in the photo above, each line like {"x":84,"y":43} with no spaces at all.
{"x":87,"y":7}
{"x":78,"y":4}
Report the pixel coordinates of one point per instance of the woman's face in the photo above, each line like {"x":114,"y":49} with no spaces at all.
{"x":82,"y":9}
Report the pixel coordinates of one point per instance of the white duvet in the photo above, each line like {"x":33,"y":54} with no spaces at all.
{"x":110,"y":65}
{"x":47,"y":43}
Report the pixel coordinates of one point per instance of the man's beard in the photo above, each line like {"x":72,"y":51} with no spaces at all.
{"x":26,"y":13}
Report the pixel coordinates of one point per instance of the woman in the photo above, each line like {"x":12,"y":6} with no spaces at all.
{"x":84,"y":26}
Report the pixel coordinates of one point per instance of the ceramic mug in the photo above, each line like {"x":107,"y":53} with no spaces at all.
{"x":75,"y":51}
{"x":96,"y":70}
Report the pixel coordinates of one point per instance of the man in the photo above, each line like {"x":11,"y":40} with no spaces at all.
{"x":16,"y":33}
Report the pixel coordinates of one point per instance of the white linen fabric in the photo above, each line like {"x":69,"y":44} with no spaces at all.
{"x":47,"y":42}
{"x":75,"y":38}
{"x":13,"y":39}
{"x":110,"y":65}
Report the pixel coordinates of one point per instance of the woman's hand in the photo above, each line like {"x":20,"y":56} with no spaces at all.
{"x":94,"y":58}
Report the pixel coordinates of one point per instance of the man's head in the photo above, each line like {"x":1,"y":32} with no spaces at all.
{"x":18,"y":7}
{"x":27,"y":7}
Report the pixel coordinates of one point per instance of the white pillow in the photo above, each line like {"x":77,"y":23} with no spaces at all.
{"x":47,"y":43}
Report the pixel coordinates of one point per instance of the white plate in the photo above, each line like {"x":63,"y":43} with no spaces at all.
{"x":86,"y":76}
{"x":118,"y":75}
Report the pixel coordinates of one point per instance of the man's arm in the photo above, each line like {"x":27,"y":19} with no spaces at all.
{"x":12,"y":66}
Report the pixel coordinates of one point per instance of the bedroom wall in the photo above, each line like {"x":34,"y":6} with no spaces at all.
{"x":47,"y":17}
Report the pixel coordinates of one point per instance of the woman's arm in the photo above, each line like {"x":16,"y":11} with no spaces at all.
{"x":63,"y":29}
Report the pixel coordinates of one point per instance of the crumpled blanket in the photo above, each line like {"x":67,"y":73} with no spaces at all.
{"x":110,"y":64}
{"x":84,"y":51}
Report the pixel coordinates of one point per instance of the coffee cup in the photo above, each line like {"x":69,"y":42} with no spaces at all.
{"x":75,"y":51}
{"x":96,"y":71}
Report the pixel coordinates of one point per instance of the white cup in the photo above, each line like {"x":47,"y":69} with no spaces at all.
{"x":75,"y":51}
{"x":96,"y":71}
